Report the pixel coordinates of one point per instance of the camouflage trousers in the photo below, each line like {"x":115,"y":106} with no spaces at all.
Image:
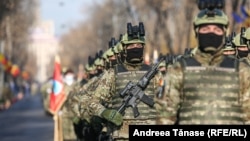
{"x":68,"y":128}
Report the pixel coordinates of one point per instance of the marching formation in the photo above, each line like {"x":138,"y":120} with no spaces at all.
{"x":207,"y":84}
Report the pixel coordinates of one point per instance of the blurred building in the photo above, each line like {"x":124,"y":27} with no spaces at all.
{"x":43,"y":45}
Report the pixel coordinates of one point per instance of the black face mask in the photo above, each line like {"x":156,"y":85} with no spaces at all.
{"x":91,"y":75}
{"x":134,"y":55}
{"x":163,"y":72}
{"x":242,"y":54}
{"x":99,"y":71}
{"x":209,"y":42}
{"x":113,"y":63}
{"x":107,"y":65}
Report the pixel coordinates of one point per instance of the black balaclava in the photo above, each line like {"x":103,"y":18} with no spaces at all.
{"x":242,"y":54}
{"x":113,"y":63}
{"x":107,"y":65}
{"x":163,"y":72}
{"x":91,"y":75}
{"x":134,"y":55}
{"x":99,"y":71}
{"x":209,"y":42}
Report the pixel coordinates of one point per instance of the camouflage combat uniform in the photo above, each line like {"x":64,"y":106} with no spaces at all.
{"x":107,"y":95}
{"x":81,"y":120}
{"x":206,"y":88}
{"x":107,"y":91}
{"x":66,"y":117}
{"x":246,"y":37}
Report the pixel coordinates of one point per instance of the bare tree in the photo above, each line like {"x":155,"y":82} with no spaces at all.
{"x":168,"y":24}
{"x":15,"y":20}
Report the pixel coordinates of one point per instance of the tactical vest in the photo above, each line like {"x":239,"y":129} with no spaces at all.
{"x":123,"y":76}
{"x":211,"y":94}
{"x":147,"y":115}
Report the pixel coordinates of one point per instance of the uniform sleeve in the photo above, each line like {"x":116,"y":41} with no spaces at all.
{"x":168,"y":105}
{"x":73,"y":100}
{"x":79,"y":93}
{"x":66,"y":108}
{"x":87,"y":102}
{"x":245,"y":90}
{"x":102,"y":93}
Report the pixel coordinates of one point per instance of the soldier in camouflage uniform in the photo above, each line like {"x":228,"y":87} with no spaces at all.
{"x":111,"y":54}
{"x":90,"y":71}
{"x":208,"y":87}
{"x":65,"y":113}
{"x":104,"y":101}
{"x":108,"y":61}
{"x":241,"y":42}
{"x":229,"y":47}
{"x":82,"y":125}
{"x":238,"y":46}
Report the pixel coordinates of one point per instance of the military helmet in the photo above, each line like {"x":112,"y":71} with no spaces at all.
{"x":90,"y":65}
{"x":135,"y":34}
{"x":236,"y":40}
{"x":99,"y":62}
{"x":117,"y":48}
{"x":247,"y":33}
{"x":162,"y":64}
{"x":241,"y":38}
{"x":215,"y":16}
{"x":104,"y":56}
{"x":129,"y":40}
{"x":98,"y":56}
{"x":87,"y":67}
{"x":110,"y":52}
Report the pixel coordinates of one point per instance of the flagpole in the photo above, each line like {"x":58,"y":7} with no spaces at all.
{"x":60,"y":129}
{"x":57,"y":98}
{"x":55,"y":117}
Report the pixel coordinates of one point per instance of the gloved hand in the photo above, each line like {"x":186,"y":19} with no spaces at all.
{"x":112,"y":116}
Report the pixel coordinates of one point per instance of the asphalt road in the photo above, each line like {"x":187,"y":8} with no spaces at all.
{"x":26,"y":121}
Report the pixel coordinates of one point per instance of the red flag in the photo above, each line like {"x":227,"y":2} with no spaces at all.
{"x":57,"y":97}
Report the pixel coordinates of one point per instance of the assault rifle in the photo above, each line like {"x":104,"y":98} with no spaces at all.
{"x":228,"y":42}
{"x":134,"y":93}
